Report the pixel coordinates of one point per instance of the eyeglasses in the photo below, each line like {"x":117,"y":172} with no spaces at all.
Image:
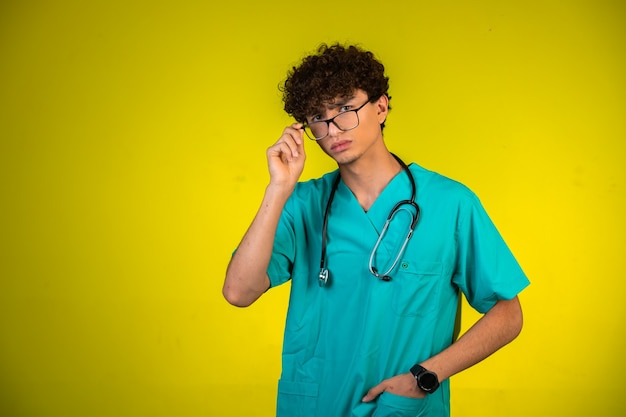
{"x":344,"y":121}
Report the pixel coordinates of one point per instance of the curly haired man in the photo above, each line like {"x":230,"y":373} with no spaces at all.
{"x":378,"y":253}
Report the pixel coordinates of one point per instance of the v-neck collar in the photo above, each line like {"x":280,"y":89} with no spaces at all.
{"x":398,"y":188}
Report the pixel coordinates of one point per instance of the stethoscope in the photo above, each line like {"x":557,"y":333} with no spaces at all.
{"x":401,"y":205}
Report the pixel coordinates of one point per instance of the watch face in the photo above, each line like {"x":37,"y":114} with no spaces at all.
{"x":428,"y":381}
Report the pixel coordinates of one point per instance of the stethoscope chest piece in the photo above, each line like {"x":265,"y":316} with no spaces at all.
{"x":323,"y":277}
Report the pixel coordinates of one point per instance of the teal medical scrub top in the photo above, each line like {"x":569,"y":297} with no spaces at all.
{"x":345,"y":338}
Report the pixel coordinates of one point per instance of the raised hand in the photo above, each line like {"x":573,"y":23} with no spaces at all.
{"x":286,"y":157}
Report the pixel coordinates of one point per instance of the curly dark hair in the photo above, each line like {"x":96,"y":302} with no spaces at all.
{"x":335,"y":71}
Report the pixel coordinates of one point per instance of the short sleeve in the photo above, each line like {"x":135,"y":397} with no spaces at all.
{"x":283,"y":252}
{"x":486,"y":271}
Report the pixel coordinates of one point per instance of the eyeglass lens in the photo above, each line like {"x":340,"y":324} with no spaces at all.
{"x":344,"y":121}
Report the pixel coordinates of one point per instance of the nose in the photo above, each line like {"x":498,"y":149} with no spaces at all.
{"x":333,"y":130}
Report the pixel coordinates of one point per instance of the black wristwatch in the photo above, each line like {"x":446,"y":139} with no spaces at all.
{"x":427,"y":381}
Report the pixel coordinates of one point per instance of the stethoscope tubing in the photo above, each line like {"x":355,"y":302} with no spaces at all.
{"x":323,"y":277}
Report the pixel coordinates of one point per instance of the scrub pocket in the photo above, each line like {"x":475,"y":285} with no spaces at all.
{"x":414,"y":284}
{"x":296,"y":399}
{"x":392,"y":405}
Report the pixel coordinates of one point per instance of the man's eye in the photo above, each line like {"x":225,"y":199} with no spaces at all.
{"x":316,"y":118}
{"x":345,"y":108}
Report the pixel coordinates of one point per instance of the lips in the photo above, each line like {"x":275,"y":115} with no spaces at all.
{"x":340,"y":145}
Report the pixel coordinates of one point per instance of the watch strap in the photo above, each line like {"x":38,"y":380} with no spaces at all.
{"x":417,"y":369}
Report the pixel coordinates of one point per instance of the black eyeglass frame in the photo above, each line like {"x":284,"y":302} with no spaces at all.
{"x":332,"y":120}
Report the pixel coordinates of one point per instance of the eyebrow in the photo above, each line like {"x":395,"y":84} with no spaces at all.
{"x":326,"y":106}
{"x":342,"y":101}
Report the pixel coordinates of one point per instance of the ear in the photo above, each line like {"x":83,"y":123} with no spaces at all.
{"x":382,"y":107}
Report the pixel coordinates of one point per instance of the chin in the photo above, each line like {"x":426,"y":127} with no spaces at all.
{"x":344,"y":158}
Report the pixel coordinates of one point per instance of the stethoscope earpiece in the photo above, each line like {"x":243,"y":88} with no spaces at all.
{"x":374,"y":272}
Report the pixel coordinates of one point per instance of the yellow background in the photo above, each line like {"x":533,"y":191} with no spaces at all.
{"x":132,"y":159}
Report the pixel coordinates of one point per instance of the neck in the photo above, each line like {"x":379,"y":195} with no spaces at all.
{"x":368,"y":176}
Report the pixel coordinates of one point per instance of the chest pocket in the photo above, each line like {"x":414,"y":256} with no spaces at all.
{"x":416,"y":287}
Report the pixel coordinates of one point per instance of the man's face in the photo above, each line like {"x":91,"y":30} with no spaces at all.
{"x":348,"y":126}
